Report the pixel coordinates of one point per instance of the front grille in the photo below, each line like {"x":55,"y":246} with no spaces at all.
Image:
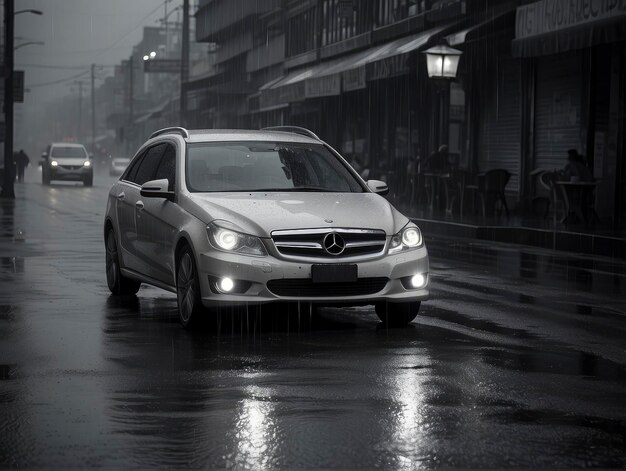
{"x":311,"y":242}
{"x":71,"y":167}
{"x":306,"y":288}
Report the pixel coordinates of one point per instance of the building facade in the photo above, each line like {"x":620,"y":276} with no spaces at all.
{"x":536,"y":78}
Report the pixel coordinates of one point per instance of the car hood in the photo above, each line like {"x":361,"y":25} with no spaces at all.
{"x":262,"y":213}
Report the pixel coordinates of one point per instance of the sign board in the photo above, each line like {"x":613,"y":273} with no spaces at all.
{"x":547,"y":16}
{"x":162,"y":66}
{"x":354,"y":79}
{"x":388,"y":67}
{"x":329,"y":85}
{"x":18,"y":86}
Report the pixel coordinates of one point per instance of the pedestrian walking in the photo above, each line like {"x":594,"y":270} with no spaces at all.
{"x":21,"y":162}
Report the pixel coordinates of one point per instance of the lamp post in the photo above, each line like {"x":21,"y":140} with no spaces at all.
{"x":8,"y":191}
{"x":442,"y":63}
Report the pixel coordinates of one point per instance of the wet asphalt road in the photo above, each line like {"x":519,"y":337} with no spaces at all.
{"x":519,"y":360}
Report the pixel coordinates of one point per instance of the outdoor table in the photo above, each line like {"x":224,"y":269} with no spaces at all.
{"x":576,"y":196}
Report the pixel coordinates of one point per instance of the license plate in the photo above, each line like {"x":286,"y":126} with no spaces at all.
{"x":334,"y":273}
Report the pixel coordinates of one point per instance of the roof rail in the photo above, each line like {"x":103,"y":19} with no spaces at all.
{"x":293,"y":129}
{"x":173,"y":130}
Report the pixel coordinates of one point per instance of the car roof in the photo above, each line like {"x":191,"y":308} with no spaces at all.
{"x":66,"y":144}
{"x":221,"y":135}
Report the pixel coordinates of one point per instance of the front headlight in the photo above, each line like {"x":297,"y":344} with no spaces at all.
{"x":87,"y":163}
{"x":408,"y":238}
{"x":229,"y":240}
{"x":54,"y":163}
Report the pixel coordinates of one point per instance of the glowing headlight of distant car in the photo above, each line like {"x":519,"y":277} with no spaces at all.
{"x":408,"y":238}
{"x":54,"y":163}
{"x":229,"y":240}
{"x":87,"y":163}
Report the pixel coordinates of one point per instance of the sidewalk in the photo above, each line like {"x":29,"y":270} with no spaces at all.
{"x":598,"y":240}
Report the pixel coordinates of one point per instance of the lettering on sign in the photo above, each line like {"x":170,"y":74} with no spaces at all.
{"x":553,"y":15}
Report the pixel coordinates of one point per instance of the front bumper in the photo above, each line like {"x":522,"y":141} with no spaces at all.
{"x":70,"y":174}
{"x":254,"y":273}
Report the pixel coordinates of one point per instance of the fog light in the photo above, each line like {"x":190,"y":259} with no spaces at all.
{"x":226,"y":285}
{"x":418,"y":281}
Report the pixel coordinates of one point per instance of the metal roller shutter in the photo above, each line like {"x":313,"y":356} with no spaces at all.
{"x":500,"y":126}
{"x":557,"y":109}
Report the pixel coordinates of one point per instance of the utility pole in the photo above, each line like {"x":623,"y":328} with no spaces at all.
{"x":93,"y":108}
{"x":9,"y":178}
{"x":131,"y":90}
{"x":184,"y":64}
{"x":80,"y":111}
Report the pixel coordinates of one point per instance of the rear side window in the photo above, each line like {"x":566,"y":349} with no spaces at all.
{"x":145,"y":168}
{"x":167,"y":167}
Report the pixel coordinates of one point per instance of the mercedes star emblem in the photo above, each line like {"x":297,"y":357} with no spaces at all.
{"x":334,"y":244}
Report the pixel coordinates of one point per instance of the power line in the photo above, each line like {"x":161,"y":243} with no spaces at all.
{"x":60,"y":67}
{"x":55,"y":82}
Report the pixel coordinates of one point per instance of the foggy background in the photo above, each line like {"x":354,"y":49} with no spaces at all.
{"x":76,"y":33}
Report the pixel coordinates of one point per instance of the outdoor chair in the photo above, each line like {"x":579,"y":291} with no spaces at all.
{"x":490,"y":190}
{"x":548,"y":180}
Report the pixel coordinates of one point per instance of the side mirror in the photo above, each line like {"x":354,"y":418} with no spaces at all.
{"x":378,"y":187}
{"x":157,"y":189}
{"x":44,"y":155}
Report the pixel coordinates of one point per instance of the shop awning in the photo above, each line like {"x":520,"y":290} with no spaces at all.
{"x":577,"y":37}
{"x":556,"y":26}
{"x":495,"y":22}
{"x":347,"y":73}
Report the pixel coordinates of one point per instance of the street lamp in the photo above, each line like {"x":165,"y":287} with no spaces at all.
{"x":8,"y":190}
{"x":442,"y":61}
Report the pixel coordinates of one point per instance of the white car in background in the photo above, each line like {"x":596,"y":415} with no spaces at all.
{"x":233,"y":218}
{"x":118,"y":165}
{"x":68,"y":162}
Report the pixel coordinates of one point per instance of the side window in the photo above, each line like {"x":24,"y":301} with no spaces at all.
{"x":130,"y":173}
{"x":167,"y":167}
{"x":148,"y":165}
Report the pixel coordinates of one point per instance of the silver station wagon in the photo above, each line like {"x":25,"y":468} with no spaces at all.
{"x":234,"y":218}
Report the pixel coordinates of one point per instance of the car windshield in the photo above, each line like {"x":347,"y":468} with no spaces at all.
{"x":266,"y":166}
{"x":69,"y":152}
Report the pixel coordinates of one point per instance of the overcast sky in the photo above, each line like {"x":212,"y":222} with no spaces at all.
{"x":78,"y":33}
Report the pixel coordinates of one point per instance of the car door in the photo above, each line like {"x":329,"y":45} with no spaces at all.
{"x":145,"y":172}
{"x":159,"y":223}
{"x":126,"y":194}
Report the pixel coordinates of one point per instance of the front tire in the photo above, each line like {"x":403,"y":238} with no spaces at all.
{"x":88,"y":181}
{"x":118,"y":283}
{"x":188,"y":289}
{"x":397,"y":314}
{"x":45,"y":177}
